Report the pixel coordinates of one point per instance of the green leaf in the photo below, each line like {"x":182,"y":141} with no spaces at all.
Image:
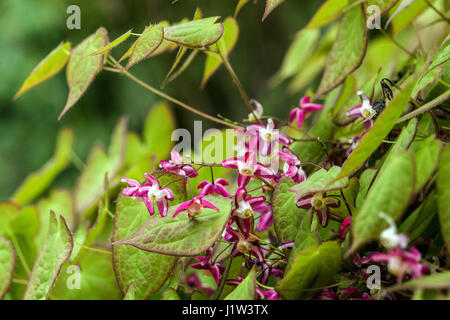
{"x":225,"y":44}
{"x":375,"y":136}
{"x":81,"y":70}
{"x":320,"y":181}
{"x":270,"y":6}
{"x":329,"y":11}
{"x":55,"y":251}
{"x":171,"y":75}
{"x":170,"y":294}
{"x":406,"y":16}
{"x":348,"y":50}
{"x":47,"y":68}
{"x":300,"y":50}
{"x":286,"y":215}
{"x":195,"y":34}
{"x":90,"y":183}
{"x":146,"y":44}
{"x":96,"y":279}
{"x":131,"y":293}
{"x":239,"y":6}
{"x":8,"y":211}
{"x":304,"y":239}
{"x":313,"y":268}
{"x":417,"y":222}
{"x":427,"y":106}
{"x":113,"y":44}
{"x":426,"y":153}
{"x":383,"y":5}
{"x":182,"y":236}
{"x":7,"y":265}
{"x":365,"y":181}
{"x":158,"y":127}
{"x":433,"y":281}
{"x":38,"y":181}
{"x":391,"y":193}
{"x":443,"y":193}
{"x":61,"y":202}
{"x":149,"y":270}
{"x":246,"y":290}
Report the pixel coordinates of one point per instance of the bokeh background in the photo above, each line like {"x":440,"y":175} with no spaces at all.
{"x":32,"y":28}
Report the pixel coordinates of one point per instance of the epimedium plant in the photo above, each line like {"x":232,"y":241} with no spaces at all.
{"x":300,"y":209}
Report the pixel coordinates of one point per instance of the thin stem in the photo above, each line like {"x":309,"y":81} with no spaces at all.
{"x":398,"y":44}
{"x":169,"y":98}
{"x":437,"y":11}
{"x":223,"y":280}
{"x":20,"y":255}
{"x":20,"y":281}
{"x":238,"y":84}
{"x":94,"y":249}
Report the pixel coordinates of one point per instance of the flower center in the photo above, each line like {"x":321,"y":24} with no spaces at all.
{"x":243,"y":246}
{"x":317,"y":201}
{"x":195,"y":208}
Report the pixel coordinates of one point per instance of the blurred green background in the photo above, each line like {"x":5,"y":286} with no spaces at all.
{"x":32,"y":28}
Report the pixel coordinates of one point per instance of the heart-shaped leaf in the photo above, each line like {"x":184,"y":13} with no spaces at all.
{"x":312,"y":269}
{"x":330,"y":10}
{"x":81,"y":69}
{"x":146,"y":44}
{"x":147,"y":270}
{"x":55,"y":251}
{"x":182,"y":236}
{"x":92,"y":278}
{"x":225,"y":45}
{"x":390,"y":193}
{"x":7,"y":265}
{"x":270,"y":6}
{"x":113,"y":44}
{"x":286,"y":215}
{"x":348,"y":50}
{"x":196,"y":33}
{"x":47,"y":68}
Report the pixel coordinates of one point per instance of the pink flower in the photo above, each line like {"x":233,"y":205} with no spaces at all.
{"x":344,"y":228}
{"x":218,"y":187}
{"x":258,"y":111}
{"x":306,"y":107}
{"x":291,"y":166}
{"x":245,"y":243}
{"x":194,"y":206}
{"x":244,"y":208}
{"x":266,"y":136}
{"x":150,"y":192}
{"x":193,"y":281}
{"x":176,"y":166}
{"x":205,"y":264}
{"x":400,"y":263}
{"x":354,"y":293}
{"x":248,"y":167}
{"x":365,"y":111}
{"x":320,"y":204}
{"x":271,"y":294}
{"x":133,"y":190}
